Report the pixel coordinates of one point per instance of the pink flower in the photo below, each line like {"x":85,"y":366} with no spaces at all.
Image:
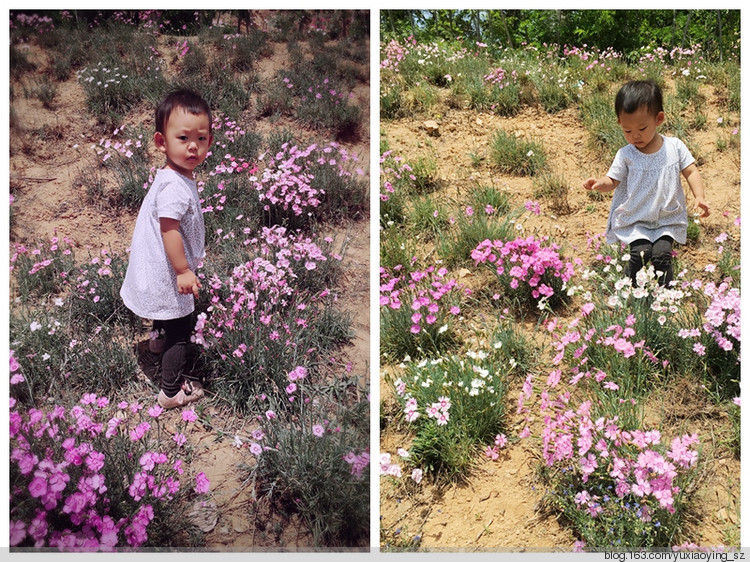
{"x":201,"y":483}
{"x":155,"y":411}
{"x":318,"y":430}
{"x":189,"y":416}
{"x":17,"y":532}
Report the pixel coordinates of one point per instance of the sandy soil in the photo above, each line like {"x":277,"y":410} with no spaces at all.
{"x":500,"y":508}
{"x":49,"y":149}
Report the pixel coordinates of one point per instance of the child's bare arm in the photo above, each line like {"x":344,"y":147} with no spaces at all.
{"x":603,"y":185}
{"x":187,"y":282}
{"x":693,"y":177}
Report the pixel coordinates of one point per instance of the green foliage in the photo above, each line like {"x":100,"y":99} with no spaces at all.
{"x":626,"y":31}
{"x":554,"y":188}
{"x":484,"y":196}
{"x":41,"y":271}
{"x":599,"y":119}
{"x":456,"y":244}
{"x":428,"y":216}
{"x":454,"y":405}
{"x":518,"y":156}
{"x":309,"y":463}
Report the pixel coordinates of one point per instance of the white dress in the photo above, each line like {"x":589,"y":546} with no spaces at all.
{"x":150,"y":285}
{"x":649,"y":202}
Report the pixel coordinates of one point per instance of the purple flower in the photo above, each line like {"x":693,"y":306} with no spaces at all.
{"x":17,"y":532}
{"x":201,"y":483}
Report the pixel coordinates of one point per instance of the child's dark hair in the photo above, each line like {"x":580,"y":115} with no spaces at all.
{"x":639,"y":93}
{"x":187,"y":100}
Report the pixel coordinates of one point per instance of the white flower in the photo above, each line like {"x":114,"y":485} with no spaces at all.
{"x":403,"y":453}
{"x":530,"y":153}
{"x":237,"y":441}
{"x":35,"y":326}
{"x":443,"y":329}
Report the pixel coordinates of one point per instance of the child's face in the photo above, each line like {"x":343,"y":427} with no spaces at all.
{"x":185,"y":140}
{"x":639,"y":129}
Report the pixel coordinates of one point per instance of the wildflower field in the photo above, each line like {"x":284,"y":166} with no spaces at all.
{"x":276,"y":455}
{"x":530,"y":396}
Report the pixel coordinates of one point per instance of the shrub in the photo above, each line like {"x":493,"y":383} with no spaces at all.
{"x":314,"y":455}
{"x":553,"y":188}
{"x":454,"y":405}
{"x":41,"y":271}
{"x":514,"y":155}
{"x":271,"y":311}
{"x":529,"y":269}
{"x":95,"y":477}
{"x":426,"y":326}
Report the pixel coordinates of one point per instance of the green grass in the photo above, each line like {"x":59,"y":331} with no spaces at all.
{"x":518,"y":156}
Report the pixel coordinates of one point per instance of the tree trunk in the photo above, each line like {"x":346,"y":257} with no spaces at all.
{"x":685,"y":31}
{"x":507,"y":32}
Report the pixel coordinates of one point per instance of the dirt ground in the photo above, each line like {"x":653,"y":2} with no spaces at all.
{"x":48,"y":151}
{"x":499,"y":508}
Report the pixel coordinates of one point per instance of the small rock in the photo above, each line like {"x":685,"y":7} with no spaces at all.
{"x":432,"y":128}
{"x":205,"y":515}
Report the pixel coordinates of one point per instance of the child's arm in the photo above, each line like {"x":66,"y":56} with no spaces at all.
{"x":187,"y":282}
{"x":603,"y":185}
{"x":693,"y":177}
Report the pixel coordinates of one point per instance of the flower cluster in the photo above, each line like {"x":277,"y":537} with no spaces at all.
{"x":39,"y":24}
{"x":529,"y":261}
{"x":285,"y":181}
{"x":632,"y":464}
{"x":43,"y":269}
{"x":722,"y":317}
{"x":425,"y":297}
{"x":77,"y":463}
{"x":493,"y":451}
{"x":127,"y":148}
{"x":358,"y":462}
{"x":393,"y":54}
{"x":498,"y":77}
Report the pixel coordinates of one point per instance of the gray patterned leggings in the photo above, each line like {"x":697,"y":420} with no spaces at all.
{"x":176,"y":338}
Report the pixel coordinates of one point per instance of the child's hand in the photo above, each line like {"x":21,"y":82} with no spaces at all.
{"x":704,"y":206}
{"x":602,"y":185}
{"x":188,"y":283}
{"x":589,"y":184}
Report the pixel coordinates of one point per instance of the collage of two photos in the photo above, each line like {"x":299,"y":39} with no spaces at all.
{"x":199,"y":361}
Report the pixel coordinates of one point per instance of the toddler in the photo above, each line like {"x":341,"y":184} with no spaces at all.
{"x":649,"y":211}
{"x":168,"y":240}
